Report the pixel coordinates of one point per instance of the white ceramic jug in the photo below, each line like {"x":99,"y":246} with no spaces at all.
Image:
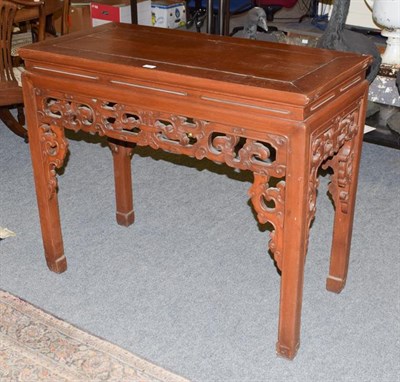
{"x":386,"y":13}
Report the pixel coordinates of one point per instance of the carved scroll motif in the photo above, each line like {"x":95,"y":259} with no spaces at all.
{"x":333,"y":148}
{"x":73,"y":115}
{"x":173,"y":133}
{"x":342,"y":165}
{"x":265,"y":156}
{"x":269,"y":205}
{"x":54,"y":149}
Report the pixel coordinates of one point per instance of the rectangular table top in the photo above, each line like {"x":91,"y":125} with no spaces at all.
{"x":181,"y":56}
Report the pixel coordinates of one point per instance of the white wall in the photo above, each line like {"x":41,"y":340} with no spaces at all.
{"x":359,"y":13}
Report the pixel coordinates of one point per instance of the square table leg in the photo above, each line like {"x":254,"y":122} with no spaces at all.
{"x":48,"y":148}
{"x":295,"y":239}
{"x":122,"y":154}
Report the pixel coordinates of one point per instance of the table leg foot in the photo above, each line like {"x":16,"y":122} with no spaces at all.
{"x":125,"y":219}
{"x":57,"y":266}
{"x":287,"y":352}
{"x":335,"y":284}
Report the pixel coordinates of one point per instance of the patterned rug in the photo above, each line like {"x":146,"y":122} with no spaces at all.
{"x":35,"y":346}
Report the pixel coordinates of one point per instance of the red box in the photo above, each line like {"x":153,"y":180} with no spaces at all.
{"x":110,"y":11}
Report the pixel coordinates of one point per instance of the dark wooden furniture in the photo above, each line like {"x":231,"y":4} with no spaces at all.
{"x":280,"y":115}
{"x":10,"y":90}
{"x":14,"y":12}
{"x":44,"y":15}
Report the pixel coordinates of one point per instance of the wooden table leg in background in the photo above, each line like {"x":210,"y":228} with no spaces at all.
{"x":343,"y":189}
{"x":122,"y":154}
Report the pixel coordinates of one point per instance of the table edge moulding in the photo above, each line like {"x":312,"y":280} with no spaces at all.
{"x":279,"y":111}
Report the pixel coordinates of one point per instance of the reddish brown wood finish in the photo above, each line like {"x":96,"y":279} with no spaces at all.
{"x":122,"y":154}
{"x":276,"y":110}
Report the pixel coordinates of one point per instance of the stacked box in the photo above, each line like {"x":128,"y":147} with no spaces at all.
{"x":106,"y":11}
{"x":168,"y":13}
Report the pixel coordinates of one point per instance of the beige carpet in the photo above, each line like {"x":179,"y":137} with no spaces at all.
{"x":35,"y":346}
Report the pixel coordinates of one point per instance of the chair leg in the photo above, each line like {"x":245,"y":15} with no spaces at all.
{"x":270,"y":10}
{"x":21,"y":115}
{"x":12,"y":124}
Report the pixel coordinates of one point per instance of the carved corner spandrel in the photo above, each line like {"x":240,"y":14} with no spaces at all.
{"x":341,"y":177}
{"x":54,"y":149}
{"x":269,"y":204}
{"x":333,"y":147}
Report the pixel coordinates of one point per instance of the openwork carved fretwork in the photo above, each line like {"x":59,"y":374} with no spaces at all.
{"x":333,"y":148}
{"x":264,"y":155}
{"x":54,"y":148}
{"x":173,"y":133}
{"x":342,"y":176}
{"x":269,"y":204}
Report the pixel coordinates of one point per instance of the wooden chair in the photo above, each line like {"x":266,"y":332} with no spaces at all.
{"x":10,"y":89}
{"x":51,"y":9}
{"x":43,"y":16}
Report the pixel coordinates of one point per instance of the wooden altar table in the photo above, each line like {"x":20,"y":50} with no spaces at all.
{"x":279,"y":111}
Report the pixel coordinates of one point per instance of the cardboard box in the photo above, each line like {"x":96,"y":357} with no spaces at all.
{"x":168,"y":13}
{"x":106,"y":11}
{"x":144,"y":12}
